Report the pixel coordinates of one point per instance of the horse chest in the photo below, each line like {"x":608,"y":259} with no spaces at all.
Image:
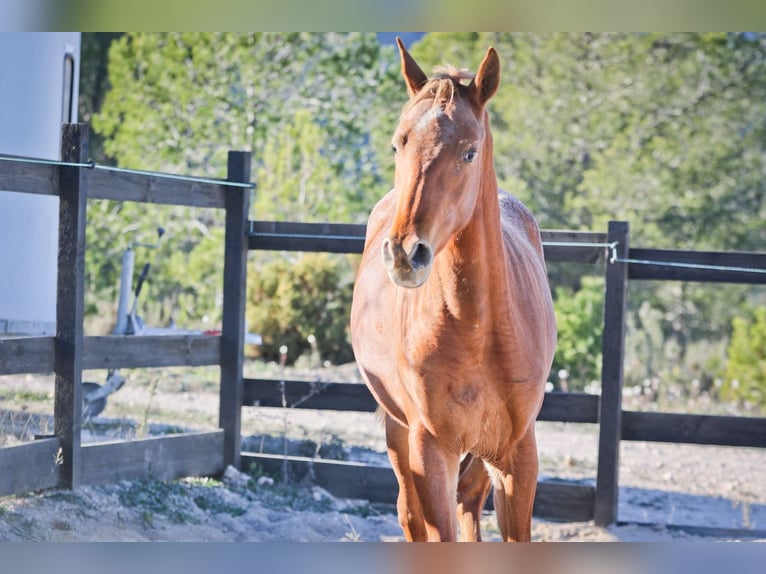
{"x":446,"y":373}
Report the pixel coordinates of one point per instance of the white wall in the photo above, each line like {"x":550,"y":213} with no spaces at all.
{"x":31,"y":113}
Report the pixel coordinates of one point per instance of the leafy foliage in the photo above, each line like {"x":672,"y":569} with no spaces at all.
{"x":304,"y":104}
{"x":580,"y":320}
{"x":663,"y":130}
{"x":746,"y":370}
{"x":290,"y":301}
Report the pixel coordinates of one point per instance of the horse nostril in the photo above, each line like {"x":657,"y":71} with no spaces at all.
{"x":421,"y":255}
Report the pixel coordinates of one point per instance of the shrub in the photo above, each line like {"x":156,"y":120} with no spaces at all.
{"x":580,"y":320}
{"x":745,"y":379}
{"x":289,"y":301}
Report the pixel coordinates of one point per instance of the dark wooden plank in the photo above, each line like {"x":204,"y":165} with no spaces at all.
{"x":113,"y":351}
{"x":349,"y":238}
{"x":610,"y":423}
{"x":157,"y":458}
{"x":564,"y":407}
{"x":234,"y":299}
{"x":29,"y":467}
{"x":26,"y":355}
{"x":148,"y":188}
{"x":308,"y":395}
{"x":694,"y":429}
{"x":70,"y":300}
{"x":344,"y":479}
{"x":562,"y":246}
{"x":104,"y":183}
{"x":570,"y":236}
{"x":564,"y":500}
{"x":693,"y":258}
{"x":314,"y":237}
{"x":555,"y":500}
{"x":569,"y":407}
{"x":26,"y":177}
{"x":574,"y":254}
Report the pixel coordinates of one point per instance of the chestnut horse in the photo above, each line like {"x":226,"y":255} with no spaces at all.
{"x":452,"y":321}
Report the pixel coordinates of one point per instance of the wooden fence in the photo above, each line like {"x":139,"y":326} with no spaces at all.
{"x":61,"y":461}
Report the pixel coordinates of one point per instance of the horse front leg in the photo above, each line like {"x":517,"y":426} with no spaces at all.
{"x":434,"y":473}
{"x":408,"y":506}
{"x":515,"y":486}
{"x":472,"y":489}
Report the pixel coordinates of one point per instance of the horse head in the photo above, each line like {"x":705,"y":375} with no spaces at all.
{"x":442,"y":149}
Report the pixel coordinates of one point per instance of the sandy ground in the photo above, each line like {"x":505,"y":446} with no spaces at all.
{"x":667,"y":492}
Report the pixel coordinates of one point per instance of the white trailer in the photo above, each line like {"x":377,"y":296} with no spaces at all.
{"x":39,"y":85}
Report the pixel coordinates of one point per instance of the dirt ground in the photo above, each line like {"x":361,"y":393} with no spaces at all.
{"x":667,"y":492}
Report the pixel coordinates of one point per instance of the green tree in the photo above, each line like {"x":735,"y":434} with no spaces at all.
{"x":745,"y":379}
{"x":662,"y":129}
{"x":307,"y":106}
{"x":178,"y":102}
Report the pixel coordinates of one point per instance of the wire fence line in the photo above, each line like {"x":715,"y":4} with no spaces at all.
{"x":160,"y":175}
{"x":612,"y":258}
{"x":700,"y":266}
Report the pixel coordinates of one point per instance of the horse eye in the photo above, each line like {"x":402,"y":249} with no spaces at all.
{"x":469,"y":156}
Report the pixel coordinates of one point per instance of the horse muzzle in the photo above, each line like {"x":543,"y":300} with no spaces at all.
{"x":407,"y":268}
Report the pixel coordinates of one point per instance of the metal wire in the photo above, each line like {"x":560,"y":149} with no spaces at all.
{"x":276,"y":234}
{"x":678,"y":265}
{"x":188,"y":178}
{"x":39,"y":161}
{"x":92,"y":165}
{"x":611,"y":245}
{"x":286,"y":235}
{"x":316,"y":236}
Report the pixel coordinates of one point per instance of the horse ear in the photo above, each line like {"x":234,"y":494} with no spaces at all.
{"x":487,"y":79}
{"x":412,"y":73}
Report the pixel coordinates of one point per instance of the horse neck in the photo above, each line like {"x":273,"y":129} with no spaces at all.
{"x":472,"y":269}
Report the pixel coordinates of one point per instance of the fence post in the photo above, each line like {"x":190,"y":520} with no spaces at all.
{"x":70,"y":294}
{"x":234,"y":296}
{"x":613,"y":345}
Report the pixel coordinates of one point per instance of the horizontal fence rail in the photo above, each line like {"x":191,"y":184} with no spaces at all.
{"x":156,"y":458}
{"x":36,"y":465}
{"x":563,"y":500}
{"x":151,"y":351}
{"x":35,"y":354}
{"x":557,"y":406}
{"x":701,"y":266}
{"x":694,"y":429}
{"x":26,"y":355}
{"x":30,"y":466}
{"x":560,"y":246}
{"x":116,"y":184}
